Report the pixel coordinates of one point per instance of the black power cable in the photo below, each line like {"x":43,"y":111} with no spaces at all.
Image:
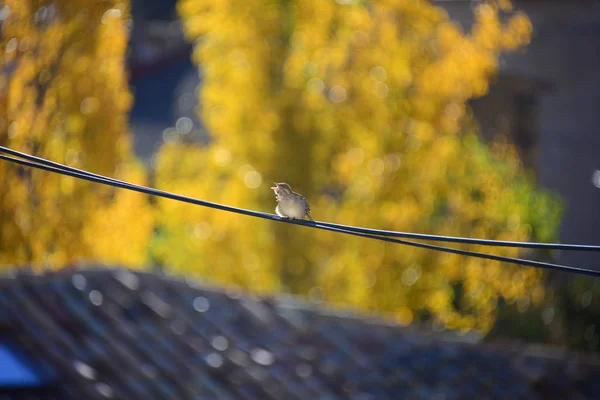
{"x":406,"y":235}
{"x":73,"y":172}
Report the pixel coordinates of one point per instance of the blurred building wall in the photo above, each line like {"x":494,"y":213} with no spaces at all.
{"x":162,"y":76}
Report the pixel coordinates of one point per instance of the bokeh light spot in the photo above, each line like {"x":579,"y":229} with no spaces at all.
{"x":85,"y":370}
{"x":40,"y":15}
{"x":184,"y":125}
{"x":523,"y":304}
{"x":79,"y":281}
{"x":89,"y":105}
{"x":411,"y":275}
{"x":262,"y":357}
{"x":220,"y":343}
{"x":111,"y":14}
{"x":356,"y":155}
{"x":252,"y":179}
{"x":11,"y":45}
{"x":378,"y":73}
{"x":404,"y":316}
{"x":105,"y":390}
{"x":548,"y":315}
{"x":96,"y":297}
{"x":214,"y":360}
{"x":392,"y":162}
{"x":202,"y":230}
{"x":586,"y":299}
{"x":376,"y":166}
{"x":169,"y":135}
{"x":201,"y":304}
{"x":370,"y":279}
{"x":4,"y":13}
{"x":315,"y":85}
{"x":380,"y":90}
{"x":596,"y":178}
{"x":337,"y":94}
{"x":452,"y":111}
{"x":72,"y":157}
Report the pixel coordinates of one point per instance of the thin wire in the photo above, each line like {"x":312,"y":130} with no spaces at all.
{"x":73,"y":172}
{"x":406,"y":235}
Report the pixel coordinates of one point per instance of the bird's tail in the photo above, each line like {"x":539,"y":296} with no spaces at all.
{"x":309,"y":217}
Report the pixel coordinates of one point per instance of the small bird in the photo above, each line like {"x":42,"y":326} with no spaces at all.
{"x":290,"y":204}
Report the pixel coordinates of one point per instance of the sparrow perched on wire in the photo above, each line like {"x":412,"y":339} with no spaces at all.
{"x":290,"y":204}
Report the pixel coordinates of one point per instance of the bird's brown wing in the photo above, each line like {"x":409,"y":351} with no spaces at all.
{"x":306,"y":206}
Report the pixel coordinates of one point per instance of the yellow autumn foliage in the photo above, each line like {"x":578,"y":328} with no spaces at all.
{"x":64,"y":96}
{"x":361,"y":107}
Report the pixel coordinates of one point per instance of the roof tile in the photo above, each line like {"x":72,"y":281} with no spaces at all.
{"x":117,"y":334}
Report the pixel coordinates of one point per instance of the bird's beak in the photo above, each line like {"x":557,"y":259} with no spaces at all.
{"x":276,"y":186}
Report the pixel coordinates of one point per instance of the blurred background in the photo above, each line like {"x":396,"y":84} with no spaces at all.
{"x":460,"y":118}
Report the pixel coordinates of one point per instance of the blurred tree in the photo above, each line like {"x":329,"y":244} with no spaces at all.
{"x":64,"y":96}
{"x":360,"y":106}
{"x":568,"y":315}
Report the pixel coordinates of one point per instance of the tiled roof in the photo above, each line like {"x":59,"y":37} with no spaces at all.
{"x":113,"y":333}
